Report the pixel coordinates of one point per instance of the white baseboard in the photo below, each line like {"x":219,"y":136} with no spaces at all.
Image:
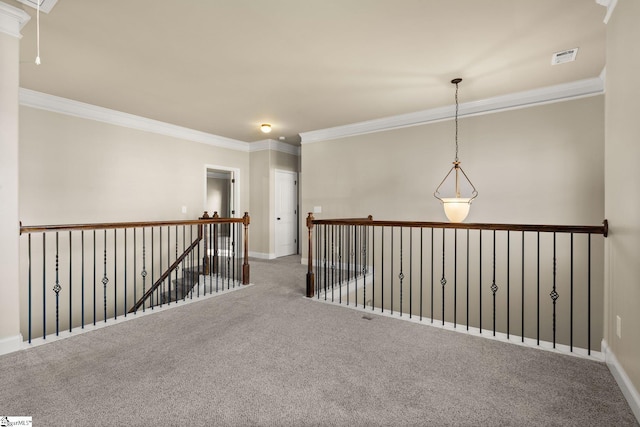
{"x":623,"y":380}
{"x":262,"y":255}
{"x":11,"y":344}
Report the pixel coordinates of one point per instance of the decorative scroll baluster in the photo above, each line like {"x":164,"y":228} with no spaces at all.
{"x":443,"y":280}
{"x":401,"y":275}
{"x":143,"y":273}
{"x":554,"y":295}
{"x":494,"y":287}
{"x":57,"y":288}
{"x":105,"y":279}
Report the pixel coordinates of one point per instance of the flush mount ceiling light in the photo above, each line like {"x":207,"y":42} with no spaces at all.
{"x":265,"y":128}
{"x":456,"y":206}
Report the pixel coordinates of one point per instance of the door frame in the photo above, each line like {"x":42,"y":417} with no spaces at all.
{"x":296,"y":176}
{"x":235,"y":175}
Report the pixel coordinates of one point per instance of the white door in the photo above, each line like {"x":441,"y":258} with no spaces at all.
{"x":286,"y":228}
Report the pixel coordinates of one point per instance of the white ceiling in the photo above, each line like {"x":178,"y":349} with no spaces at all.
{"x":226,"y":66}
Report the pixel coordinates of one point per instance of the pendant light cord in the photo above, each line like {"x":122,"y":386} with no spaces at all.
{"x":456,"y":119}
{"x":38,"y":33}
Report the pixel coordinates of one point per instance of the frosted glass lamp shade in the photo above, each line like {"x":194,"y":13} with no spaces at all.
{"x":456,"y":208}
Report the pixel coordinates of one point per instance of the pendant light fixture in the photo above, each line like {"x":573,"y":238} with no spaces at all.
{"x":456,"y":206}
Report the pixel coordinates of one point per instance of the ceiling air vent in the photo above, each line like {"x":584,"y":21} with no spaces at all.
{"x":45,"y":5}
{"x":564,"y":56}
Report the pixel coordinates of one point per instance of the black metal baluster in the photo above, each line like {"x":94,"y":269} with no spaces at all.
{"x":178,"y":268}
{"x":125,"y":271}
{"x":443,"y":280}
{"x":135,"y":268}
{"x":191,"y":260}
{"x":382,"y":272}
{"x":153,"y":280}
{"x":522,"y":294}
{"x":29,"y":240}
{"x":105,"y":280}
{"x":571,"y":299}
{"x":480,"y":276}
{"x":494,"y":287}
{"x":95,"y":275}
{"x":401,"y":275}
{"x":421,"y":269}
{"x":115,"y":274}
{"x":373,"y":273}
{"x":70,"y":283}
{"x":467,"y":279}
{"x":82,"y":272}
{"x":410,"y":272}
{"x":340,"y":264}
{"x":57,"y":288}
{"x":168,"y":279}
{"x":508,"y":281}
{"x":589,"y":296}
{"x":161,"y":290}
{"x":554,"y":295}
{"x":432,"y":274}
{"x":538,"y":292}
{"x":455,"y":277}
{"x":44,"y":286}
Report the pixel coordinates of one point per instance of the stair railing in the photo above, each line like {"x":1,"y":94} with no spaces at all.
{"x":78,"y":275}
{"x":539,"y":284}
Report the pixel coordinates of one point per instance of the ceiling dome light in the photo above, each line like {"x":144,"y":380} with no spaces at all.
{"x":265,"y":128}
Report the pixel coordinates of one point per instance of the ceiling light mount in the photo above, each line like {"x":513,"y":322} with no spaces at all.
{"x":457,"y":207}
{"x":265,"y":128}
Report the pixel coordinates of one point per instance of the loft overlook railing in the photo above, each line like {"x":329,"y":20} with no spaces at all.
{"x":89,"y":273}
{"x":529,"y":283}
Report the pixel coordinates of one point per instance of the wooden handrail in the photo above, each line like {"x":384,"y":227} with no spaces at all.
{"x":588,"y":229}
{"x":113,"y":225}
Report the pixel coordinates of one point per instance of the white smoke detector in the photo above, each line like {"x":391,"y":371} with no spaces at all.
{"x":564,"y":56}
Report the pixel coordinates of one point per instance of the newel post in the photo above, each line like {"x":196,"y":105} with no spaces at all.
{"x":310,"y":276}
{"x":246,"y":220}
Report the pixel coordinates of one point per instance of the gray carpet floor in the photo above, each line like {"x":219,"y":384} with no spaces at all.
{"x":265,"y":355}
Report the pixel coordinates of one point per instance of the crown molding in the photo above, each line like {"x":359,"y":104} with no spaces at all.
{"x":272,"y":144}
{"x":56,"y":104}
{"x":45,"y":5}
{"x":12,"y":20}
{"x":610,"y":5}
{"x":551,"y":94}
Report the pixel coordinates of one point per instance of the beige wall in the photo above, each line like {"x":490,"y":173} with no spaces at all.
{"x":622,"y":185}
{"x":74,"y":170}
{"x":263,"y":166}
{"x":535,"y":165}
